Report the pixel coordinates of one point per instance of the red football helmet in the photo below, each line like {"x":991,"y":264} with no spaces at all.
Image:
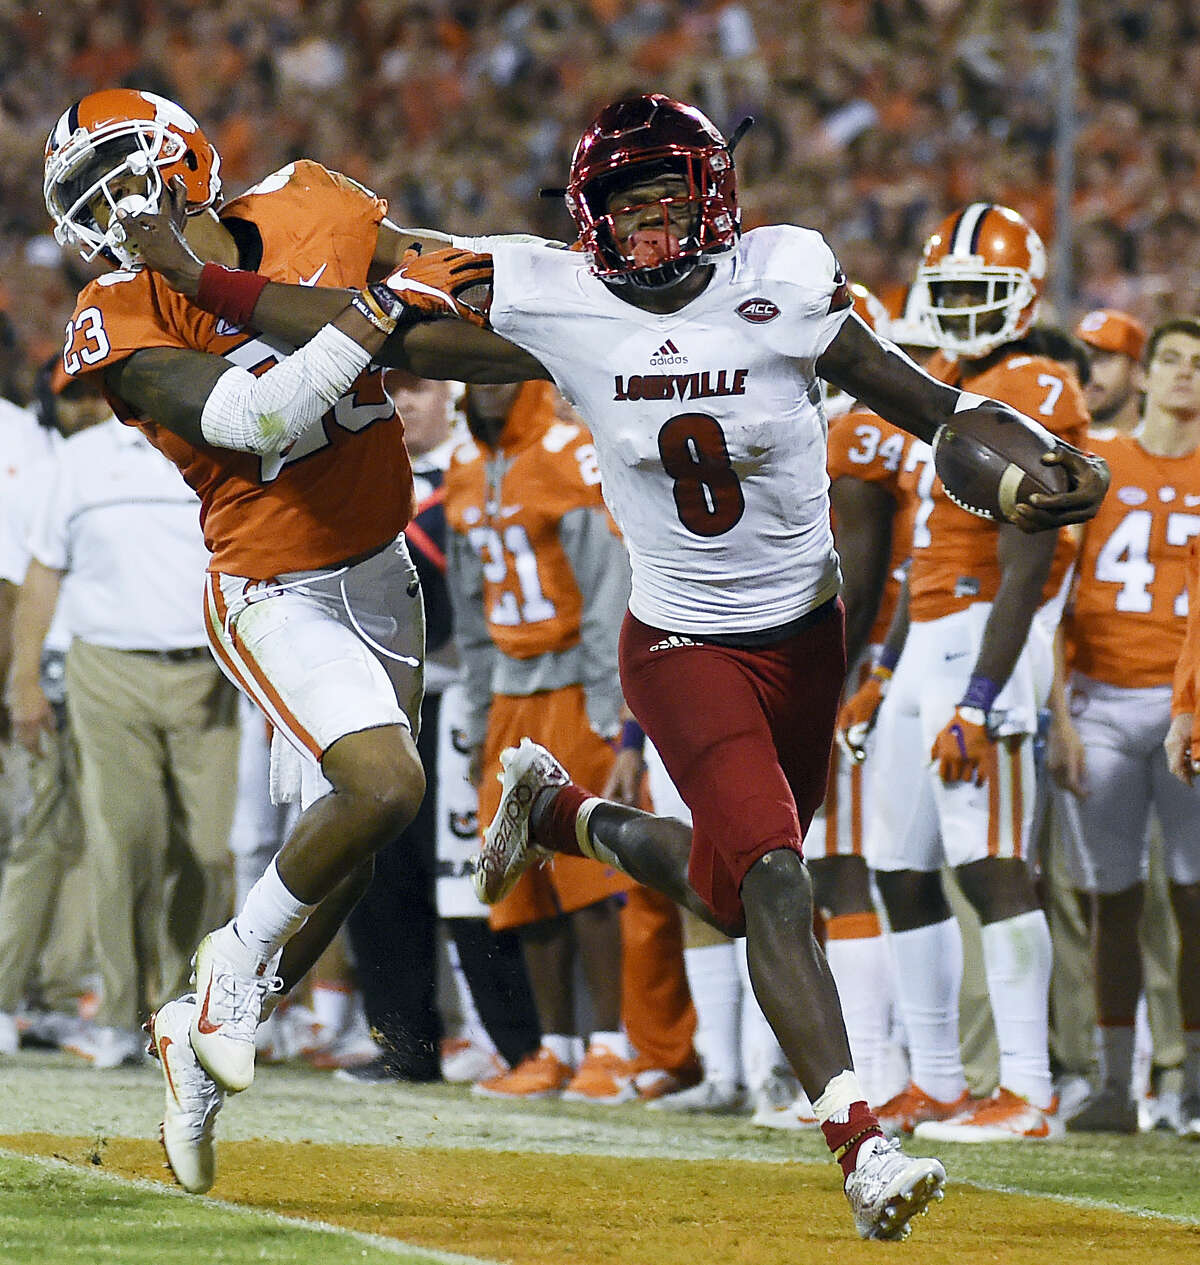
{"x":633,"y":140}
{"x":998,"y":254}
{"x":108,"y":137}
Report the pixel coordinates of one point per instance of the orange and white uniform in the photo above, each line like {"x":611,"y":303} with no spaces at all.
{"x":862,"y":445}
{"x":540,"y":580}
{"x":1125,"y":628}
{"x":953,"y":580}
{"x":286,"y":532}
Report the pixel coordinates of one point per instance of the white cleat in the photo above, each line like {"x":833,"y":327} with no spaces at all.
{"x":229,"y":1003}
{"x":193,"y":1097}
{"x":507,"y":849}
{"x":888,"y":1188}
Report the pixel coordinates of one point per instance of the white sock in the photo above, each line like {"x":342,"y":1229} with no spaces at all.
{"x":761,"y":1051}
{"x":929,"y":967}
{"x":615,"y":1042}
{"x":270,"y":915}
{"x":333,"y":1005}
{"x":1017,"y":956}
{"x":712,"y":976}
{"x":859,"y":963}
{"x":567,"y":1049}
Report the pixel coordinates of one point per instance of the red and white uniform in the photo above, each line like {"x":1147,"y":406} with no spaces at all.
{"x":711,"y":446}
{"x":284,"y":527}
{"x":1125,"y":626}
{"x":953,"y":581}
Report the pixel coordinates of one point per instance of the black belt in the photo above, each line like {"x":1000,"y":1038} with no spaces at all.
{"x":772,"y":636}
{"x":187,"y":655}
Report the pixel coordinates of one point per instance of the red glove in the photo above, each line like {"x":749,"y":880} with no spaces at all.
{"x":435,"y":282}
{"x":858,"y":714}
{"x":963,"y":750}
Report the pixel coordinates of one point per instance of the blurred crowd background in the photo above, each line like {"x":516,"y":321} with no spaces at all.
{"x":875,"y":118}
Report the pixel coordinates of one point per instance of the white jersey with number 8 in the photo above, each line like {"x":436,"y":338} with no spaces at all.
{"x":707,"y":421}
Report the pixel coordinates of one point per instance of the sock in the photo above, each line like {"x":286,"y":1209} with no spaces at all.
{"x":1191,"y":1062}
{"x":929,"y":966}
{"x":858,"y":957}
{"x":615,"y":1042}
{"x":270,"y":915}
{"x":1114,"y":1053}
{"x":552,"y":818}
{"x":332,"y":1005}
{"x":566,"y":1049}
{"x":1017,"y":957}
{"x":846,"y":1120}
{"x":712,"y":976}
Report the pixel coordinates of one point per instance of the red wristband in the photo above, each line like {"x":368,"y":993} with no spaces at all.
{"x":230,"y":293}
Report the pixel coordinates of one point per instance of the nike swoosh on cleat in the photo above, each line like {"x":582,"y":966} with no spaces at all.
{"x":202,"y":1024}
{"x":163,"y":1043}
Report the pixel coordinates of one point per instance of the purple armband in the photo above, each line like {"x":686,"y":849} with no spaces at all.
{"x":981,"y":693}
{"x":632,"y":736}
{"x":888,"y":658}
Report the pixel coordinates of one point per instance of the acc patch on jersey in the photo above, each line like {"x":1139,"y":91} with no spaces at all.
{"x":758,"y":311}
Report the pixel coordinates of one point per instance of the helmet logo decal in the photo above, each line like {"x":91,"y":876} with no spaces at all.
{"x":757,"y":311}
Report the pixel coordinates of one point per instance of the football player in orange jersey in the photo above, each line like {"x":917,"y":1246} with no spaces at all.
{"x":1116,"y":343}
{"x":966,"y":693}
{"x":298,"y":457}
{"x":732,"y":653}
{"x":1124,"y":631}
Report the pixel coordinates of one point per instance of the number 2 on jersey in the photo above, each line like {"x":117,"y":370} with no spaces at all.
{"x":708,"y":496}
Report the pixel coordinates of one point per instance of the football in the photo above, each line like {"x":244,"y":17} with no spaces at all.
{"x":998,"y":464}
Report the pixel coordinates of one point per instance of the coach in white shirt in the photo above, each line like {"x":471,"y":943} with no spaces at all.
{"x":45,"y":929}
{"x":154,"y":719}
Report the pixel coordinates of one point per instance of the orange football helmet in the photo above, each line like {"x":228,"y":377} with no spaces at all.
{"x":104,"y":140}
{"x":980,"y":279}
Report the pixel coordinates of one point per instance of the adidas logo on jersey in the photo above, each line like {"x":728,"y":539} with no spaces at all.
{"x":670,"y":643}
{"x":668,"y":354}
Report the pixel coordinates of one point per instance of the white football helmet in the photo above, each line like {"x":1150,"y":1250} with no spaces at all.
{"x":105,"y":139}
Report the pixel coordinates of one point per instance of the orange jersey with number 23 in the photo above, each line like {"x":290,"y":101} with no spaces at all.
{"x":345,"y":487}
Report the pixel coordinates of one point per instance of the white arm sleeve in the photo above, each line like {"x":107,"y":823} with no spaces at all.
{"x":267,"y":414}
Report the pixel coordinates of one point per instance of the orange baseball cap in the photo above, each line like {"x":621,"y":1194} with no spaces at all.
{"x":1111,"y":330}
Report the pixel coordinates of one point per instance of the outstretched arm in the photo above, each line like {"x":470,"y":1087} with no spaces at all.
{"x":430,"y":349}
{"x":884,"y":379}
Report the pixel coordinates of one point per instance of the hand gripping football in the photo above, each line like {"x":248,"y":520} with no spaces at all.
{"x":989,"y":458}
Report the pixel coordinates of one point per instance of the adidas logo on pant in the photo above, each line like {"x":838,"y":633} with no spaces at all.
{"x":669,"y":643}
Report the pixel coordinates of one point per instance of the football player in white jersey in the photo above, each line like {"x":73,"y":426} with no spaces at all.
{"x":692,"y":351}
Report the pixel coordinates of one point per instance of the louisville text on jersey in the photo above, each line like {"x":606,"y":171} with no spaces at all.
{"x":704,"y":385}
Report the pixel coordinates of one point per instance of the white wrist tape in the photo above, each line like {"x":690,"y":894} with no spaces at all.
{"x":267,"y":414}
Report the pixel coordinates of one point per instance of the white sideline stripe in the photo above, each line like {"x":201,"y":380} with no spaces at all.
{"x":1081,"y":1201}
{"x":394,"y":1246}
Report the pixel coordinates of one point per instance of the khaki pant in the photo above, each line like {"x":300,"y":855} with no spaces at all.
{"x":45,"y":928}
{"x":158,"y":745}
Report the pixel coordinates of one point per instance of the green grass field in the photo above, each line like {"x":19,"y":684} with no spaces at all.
{"x":94,"y":1203}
